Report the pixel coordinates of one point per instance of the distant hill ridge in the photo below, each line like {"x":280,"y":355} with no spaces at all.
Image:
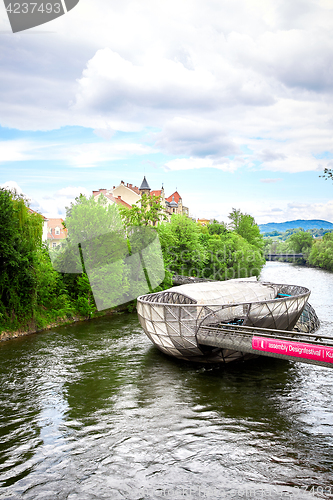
{"x":295,"y":224}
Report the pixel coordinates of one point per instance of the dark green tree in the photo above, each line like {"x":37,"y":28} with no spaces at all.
{"x":183,"y":249}
{"x":321,"y":254}
{"x":245,"y":226}
{"x":216,"y":227}
{"x":20,"y":241}
{"x":300,"y":241}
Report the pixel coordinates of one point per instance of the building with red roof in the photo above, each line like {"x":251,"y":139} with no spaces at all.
{"x":56,"y":232}
{"x":127,"y":195}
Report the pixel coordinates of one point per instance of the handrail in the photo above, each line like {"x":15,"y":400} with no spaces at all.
{"x":270,"y":333}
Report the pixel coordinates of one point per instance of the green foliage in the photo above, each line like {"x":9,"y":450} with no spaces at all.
{"x":32,"y":293}
{"x":216,"y":227}
{"x":231,"y":256}
{"x":297,"y":242}
{"x":300,"y":241}
{"x":35,"y":290}
{"x":191,"y":250}
{"x":321,"y":254}
{"x":283,"y":236}
{"x":148,"y":210}
{"x":182,"y":246}
{"x":96,"y":245}
{"x":20,"y":231}
{"x":245,"y":226}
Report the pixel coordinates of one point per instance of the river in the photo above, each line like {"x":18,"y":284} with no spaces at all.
{"x":94,"y":411}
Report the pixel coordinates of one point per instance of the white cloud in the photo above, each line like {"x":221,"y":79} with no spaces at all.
{"x":72,"y":192}
{"x":295,"y":58}
{"x":195,"y":137}
{"x":112,"y":85}
{"x":197,"y":163}
{"x":53,"y":204}
{"x":90,"y":154}
{"x":16,"y":150}
{"x":12,"y":186}
{"x":77,"y":155}
{"x":270,"y":180}
{"x":211,"y":77}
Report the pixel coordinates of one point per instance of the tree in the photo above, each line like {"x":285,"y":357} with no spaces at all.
{"x":300,"y":241}
{"x":183,"y":250}
{"x":95,"y":253}
{"x":231,"y":256}
{"x":216,"y":227}
{"x":148,"y":210}
{"x":321,"y":254}
{"x":245,"y":226}
{"x":119,"y":262}
{"x":20,"y":240}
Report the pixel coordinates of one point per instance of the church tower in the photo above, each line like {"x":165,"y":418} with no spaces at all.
{"x":144,"y":188}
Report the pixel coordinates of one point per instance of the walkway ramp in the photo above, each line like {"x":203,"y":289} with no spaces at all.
{"x":294,"y":346}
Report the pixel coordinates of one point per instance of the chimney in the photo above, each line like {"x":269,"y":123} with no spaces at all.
{"x":122,"y":182}
{"x":119,"y":197}
{"x":114,"y":187}
{"x":130,"y":185}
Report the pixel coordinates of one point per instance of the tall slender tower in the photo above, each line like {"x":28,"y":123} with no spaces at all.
{"x":144,"y":188}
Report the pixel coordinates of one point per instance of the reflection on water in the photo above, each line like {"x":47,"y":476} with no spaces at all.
{"x":93,"y":411}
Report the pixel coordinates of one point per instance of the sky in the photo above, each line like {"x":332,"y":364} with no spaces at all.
{"x":230,"y":103}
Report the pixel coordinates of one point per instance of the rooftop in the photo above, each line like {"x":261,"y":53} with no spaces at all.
{"x":144,"y":184}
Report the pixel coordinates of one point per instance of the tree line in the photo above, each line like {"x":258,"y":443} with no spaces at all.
{"x":37,"y":289}
{"x":317,"y":252}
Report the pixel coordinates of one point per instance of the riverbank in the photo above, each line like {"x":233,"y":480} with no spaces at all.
{"x":9,"y":335}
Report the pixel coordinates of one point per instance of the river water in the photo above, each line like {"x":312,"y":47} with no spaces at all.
{"x":94,"y":411}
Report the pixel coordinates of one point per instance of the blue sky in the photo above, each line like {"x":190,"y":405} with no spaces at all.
{"x":230,"y":103}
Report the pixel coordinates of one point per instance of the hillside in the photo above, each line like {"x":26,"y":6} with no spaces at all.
{"x":295,"y":224}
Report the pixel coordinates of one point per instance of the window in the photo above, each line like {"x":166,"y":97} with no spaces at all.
{"x":54,"y":244}
{"x":57,"y":230}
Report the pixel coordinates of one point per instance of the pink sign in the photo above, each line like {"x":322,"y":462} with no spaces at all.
{"x":291,"y":348}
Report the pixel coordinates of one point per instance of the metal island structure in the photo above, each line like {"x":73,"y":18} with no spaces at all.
{"x":224,"y":321}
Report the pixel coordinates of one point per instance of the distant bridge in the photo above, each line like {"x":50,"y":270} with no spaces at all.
{"x":271,"y":256}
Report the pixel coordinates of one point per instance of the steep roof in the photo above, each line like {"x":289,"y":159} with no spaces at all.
{"x":52,"y":223}
{"x":157,"y":192}
{"x":144,"y":184}
{"x":118,"y":200}
{"x":176,"y":195}
{"x":134,"y":188}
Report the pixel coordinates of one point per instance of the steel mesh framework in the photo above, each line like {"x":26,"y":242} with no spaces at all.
{"x":171,"y":318}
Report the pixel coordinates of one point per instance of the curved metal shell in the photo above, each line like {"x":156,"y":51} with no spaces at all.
{"x":171,"y":318}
